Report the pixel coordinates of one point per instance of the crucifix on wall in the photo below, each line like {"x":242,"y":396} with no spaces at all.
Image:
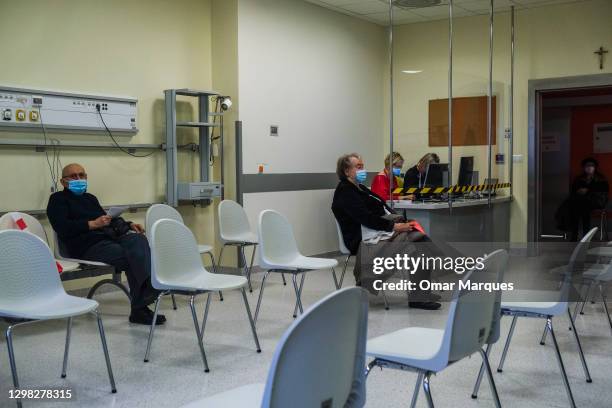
{"x":601,"y":52}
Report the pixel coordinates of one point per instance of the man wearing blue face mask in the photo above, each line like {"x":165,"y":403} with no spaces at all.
{"x":89,"y":233}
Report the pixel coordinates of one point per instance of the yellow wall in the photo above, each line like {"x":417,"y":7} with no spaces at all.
{"x":552,"y":41}
{"x":135,"y":48}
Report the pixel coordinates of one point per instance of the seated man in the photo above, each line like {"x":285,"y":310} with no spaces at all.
{"x":89,"y":233}
{"x":355,"y":206}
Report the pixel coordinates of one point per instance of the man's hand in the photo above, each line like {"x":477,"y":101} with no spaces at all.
{"x":403,"y":227}
{"x":137,"y":227}
{"x":99,"y":222}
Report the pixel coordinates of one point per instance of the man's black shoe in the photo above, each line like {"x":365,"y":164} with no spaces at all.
{"x":424,"y":305}
{"x":144,"y":315}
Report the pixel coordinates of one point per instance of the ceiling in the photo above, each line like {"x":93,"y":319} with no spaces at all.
{"x":377,"y":11}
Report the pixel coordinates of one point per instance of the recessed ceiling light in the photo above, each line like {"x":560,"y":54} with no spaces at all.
{"x":411,"y":71}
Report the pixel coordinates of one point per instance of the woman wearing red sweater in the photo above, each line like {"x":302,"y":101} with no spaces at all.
{"x":380,"y":184}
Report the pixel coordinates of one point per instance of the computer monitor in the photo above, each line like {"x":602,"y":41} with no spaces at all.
{"x":466,"y":168}
{"x":437,"y":175}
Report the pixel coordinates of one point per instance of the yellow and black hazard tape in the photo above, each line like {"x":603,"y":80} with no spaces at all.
{"x":452,"y":189}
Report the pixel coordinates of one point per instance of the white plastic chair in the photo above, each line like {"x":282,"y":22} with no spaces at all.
{"x":31,"y":289}
{"x":278,"y":252}
{"x":235,"y":230}
{"x":304,"y":374}
{"x":161,"y":211}
{"x":471,"y":323}
{"x":7,"y":221}
{"x":176,"y":268}
{"x":546,"y":305}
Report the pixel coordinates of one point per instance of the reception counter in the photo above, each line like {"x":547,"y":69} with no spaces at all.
{"x":470,"y":220}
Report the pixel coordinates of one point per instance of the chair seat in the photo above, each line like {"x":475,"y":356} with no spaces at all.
{"x":59,"y":306}
{"x":245,"y":237}
{"x":414,"y":346}
{"x":204,"y":249}
{"x":305,"y":262}
{"x":543,"y":302}
{"x":242,"y":397}
{"x":605,"y":251}
{"x":203,"y":281}
{"x":68,"y":266}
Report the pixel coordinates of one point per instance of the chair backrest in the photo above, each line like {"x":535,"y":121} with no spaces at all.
{"x":277,"y":243}
{"x":158,"y":212}
{"x":320,"y":359}
{"x":473,"y":313}
{"x":7,"y":221}
{"x":233,"y":221}
{"x":343,"y":249}
{"x":575,"y":266}
{"x":27,"y":270}
{"x":174,"y":254}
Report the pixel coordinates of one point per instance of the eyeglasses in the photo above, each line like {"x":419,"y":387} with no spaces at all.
{"x":76,"y":176}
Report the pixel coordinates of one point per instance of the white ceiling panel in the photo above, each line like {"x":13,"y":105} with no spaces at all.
{"x":377,"y":10}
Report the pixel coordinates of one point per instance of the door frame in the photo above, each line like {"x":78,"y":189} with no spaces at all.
{"x":535,"y":89}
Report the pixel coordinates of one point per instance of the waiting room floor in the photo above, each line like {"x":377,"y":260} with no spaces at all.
{"x":175,"y":375}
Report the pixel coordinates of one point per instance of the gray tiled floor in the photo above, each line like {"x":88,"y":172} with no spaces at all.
{"x":175,"y":374}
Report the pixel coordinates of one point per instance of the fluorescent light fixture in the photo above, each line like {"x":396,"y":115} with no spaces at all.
{"x":411,"y":71}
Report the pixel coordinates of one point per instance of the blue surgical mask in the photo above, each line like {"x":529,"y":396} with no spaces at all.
{"x":361,"y":176}
{"x":78,"y":187}
{"x":397,"y":171}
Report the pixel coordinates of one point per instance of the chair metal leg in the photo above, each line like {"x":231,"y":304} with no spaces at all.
{"x":480,"y":374}
{"x":346,"y":261}
{"x":335,"y":279}
{"x":212,"y":261}
{"x":111,"y":378}
{"x":251,"y":322}
{"x":605,"y":304}
{"x":500,"y":368}
{"x":417,"y":387}
{"x":586,"y":298}
{"x":220,"y":296}
{"x":560,"y":361}
{"x":385,"y":299}
{"x":173,"y":301}
{"x":369,"y":367}
{"x":427,"y":389}
{"x":261,"y":290}
{"x":205,"y":318}
{"x":67,"y":347}
{"x":251,"y":266}
{"x":11,"y":353}
{"x":582,"y":359}
{"x":544,"y":334}
{"x":152,"y":329}
{"x":245,"y":268}
{"x":485,"y":361}
{"x":198,"y":333}
{"x":284,"y":280}
{"x":298,"y":293}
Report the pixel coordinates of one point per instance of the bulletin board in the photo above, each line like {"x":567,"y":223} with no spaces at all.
{"x":469,"y":121}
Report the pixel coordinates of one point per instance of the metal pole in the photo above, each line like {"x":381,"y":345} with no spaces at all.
{"x":490,"y":100}
{"x":391,"y":176}
{"x":511,"y":147}
{"x":450,"y":103}
{"x":222,"y":153}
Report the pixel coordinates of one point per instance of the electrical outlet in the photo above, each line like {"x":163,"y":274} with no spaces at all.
{"x":33,"y":116}
{"x":274,"y":130}
{"x":20,"y":115}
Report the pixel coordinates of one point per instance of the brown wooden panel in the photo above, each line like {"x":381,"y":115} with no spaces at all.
{"x":469,"y":121}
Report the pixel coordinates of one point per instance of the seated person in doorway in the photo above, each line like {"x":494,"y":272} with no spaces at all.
{"x":89,"y":233}
{"x":415,"y":176}
{"x":589,"y":192}
{"x":354,"y":206}
{"x":380,"y":184}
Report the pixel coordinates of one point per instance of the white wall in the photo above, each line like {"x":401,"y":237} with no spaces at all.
{"x":319,"y":76}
